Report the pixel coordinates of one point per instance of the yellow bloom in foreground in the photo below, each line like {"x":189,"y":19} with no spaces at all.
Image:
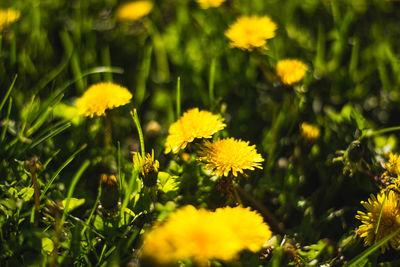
{"x":390,"y":220}
{"x":290,"y":70}
{"x":309,"y":132}
{"x":8,"y":16}
{"x":134,"y":10}
{"x":102,"y":96}
{"x":193,"y":124}
{"x":227,"y":155}
{"x":249,"y":32}
{"x":204,"y":4}
{"x":202,"y":235}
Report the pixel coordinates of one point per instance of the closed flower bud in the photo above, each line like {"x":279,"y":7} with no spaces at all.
{"x":109,"y":191}
{"x":355,"y":151}
{"x":148,"y":168}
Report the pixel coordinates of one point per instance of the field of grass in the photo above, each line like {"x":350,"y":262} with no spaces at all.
{"x":174,"y":133}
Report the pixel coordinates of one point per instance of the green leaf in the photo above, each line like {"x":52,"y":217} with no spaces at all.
{"x":47,"y":245}
{"x":168,"y":182}
{"x":26,"y":193}
{"x":74,"y":203}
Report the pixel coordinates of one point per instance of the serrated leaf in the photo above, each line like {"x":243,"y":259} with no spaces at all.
{"x":168,"y":182}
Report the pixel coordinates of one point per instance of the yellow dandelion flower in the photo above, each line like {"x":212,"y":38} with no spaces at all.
{"x":249,"y":32}
{"x":290,"y":70}
{"x":390,"y":220}
{"x":132,"y":11}
{"x":148,"y":167}
{"x":392,"y":165}
{"x":202,"y":235}
{"x":8,"y":16}
{"x":241,"y":220}
{"x":193,"y":124}
{"x":100,"y":97}
{"x":309,"y":132}
{"x":228,"y":154}
{"x":204,"y":4}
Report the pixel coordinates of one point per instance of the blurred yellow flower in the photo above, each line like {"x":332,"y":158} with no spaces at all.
{"x":390,"y":219}
{"x":290,"y":70}
{"x":249,"y":32}
{"x":8,"y":16}
{"x":240,"y":220}
{"x":193,"y":124}
{"x":204,"y":4}
{"x":202,"y":235}
{"x":228,"y":154}
{"x":134,"y":10}
{"x":309,"y":132}
{"x":100,"y":97}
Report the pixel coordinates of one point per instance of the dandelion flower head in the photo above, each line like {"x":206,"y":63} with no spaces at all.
{"x":204,"y":4}
{"x":132,"y":11}
{"x":309,"y":132}
{"x":201,"y":235}
{"x":193,"y":124}
{"x":392,"y":166}
{"x":390,"y":219}
{"x":102,"y":96}
{"x":290,"y":71}
{"x":249,"y":32}
{"x":241,"y":220}
{"x":226,"y":155}
{"x":8,"y":16}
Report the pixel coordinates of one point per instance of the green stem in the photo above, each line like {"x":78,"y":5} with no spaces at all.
{"x":211,"y":83}
{"x":381,"y":131}
{"x":178,"y":98}
{"x":139,"y":129}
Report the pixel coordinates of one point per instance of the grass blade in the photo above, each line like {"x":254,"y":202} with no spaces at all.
{"x":8,"y":93}
{"x":72,"y":186}
{"x":362,"y":256}
{"x":68,"y":161}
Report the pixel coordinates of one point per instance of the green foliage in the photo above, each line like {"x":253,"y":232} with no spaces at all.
{"x":173,"y":59}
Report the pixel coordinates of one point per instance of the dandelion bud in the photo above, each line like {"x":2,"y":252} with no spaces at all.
{"x":148,"y":168}
{"x":355,"y":151}
{"x":109,"y":191}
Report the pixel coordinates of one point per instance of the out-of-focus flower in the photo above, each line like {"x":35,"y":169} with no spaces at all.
{"x":132,"y":11}
{"x":204,"y":4}
{"x":389,"y":222}
{"x":8,"y":16}
{"x":226,"y":155}
{"x":249,"y":32}
{"x":309,"y":132}
{"x":193,"y":124}
{"x":290,"y":70}
{"x":148,"y":167}
{"x":102,"y":96}
{"x":203,"y":235}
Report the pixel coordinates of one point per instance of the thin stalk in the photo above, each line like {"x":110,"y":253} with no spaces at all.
{"x":211,"y":83}
{"x":380,"y":213}
{"x":72,"y":186}
{"x":381,"y":131}
{"x":178,"y":98}
{"x":140,"y":132}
